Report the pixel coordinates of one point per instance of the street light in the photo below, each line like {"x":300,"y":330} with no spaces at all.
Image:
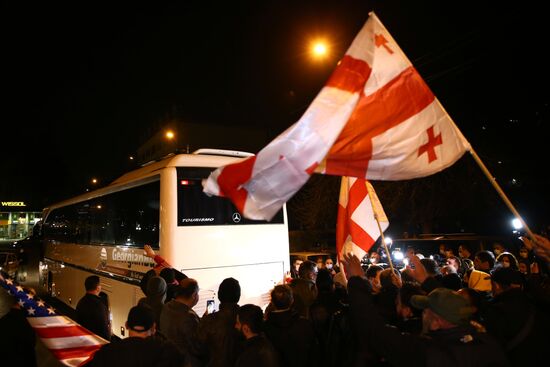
{"x":169,"y":135}
{"x":319,"y":49}
{"x":94,"y":180}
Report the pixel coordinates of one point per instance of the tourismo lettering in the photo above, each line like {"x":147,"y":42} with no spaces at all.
{"x":192,"y":220}
{"x":13,"y":203}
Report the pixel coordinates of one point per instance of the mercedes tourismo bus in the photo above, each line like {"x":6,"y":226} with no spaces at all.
{"x":161,"y":204}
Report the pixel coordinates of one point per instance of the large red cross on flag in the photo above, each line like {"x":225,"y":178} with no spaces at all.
{"x":356,"y":227}
{"x":371,"y":121}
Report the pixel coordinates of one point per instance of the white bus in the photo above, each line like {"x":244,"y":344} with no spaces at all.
{"x":161,"y":204}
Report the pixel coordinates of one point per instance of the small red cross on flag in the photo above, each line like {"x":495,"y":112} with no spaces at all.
{"x":380,"y":40}
{"x":429,"y":147}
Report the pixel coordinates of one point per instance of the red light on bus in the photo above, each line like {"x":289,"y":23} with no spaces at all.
{"x":184,"y":182}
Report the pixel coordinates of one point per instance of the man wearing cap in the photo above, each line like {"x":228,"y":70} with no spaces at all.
{"x":517,"y":322}
{"x":448,"y":341}
{"x":141,"y":348}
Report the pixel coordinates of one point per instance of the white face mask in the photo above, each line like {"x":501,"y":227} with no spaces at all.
{"x":329,"y":266}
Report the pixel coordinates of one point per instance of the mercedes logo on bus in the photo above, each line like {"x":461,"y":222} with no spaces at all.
{"x":236,"y":217}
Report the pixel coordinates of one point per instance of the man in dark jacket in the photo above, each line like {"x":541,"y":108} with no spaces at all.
{"x":218,"y":342}
{"x":291,"y":334}
{"x":258,"y":350}
{"x":304,"y":289}
{"x":517,"y":323}
{"x":91,"y":311}
{"x":142,"y":348}
{"x":449,"y":340}
{"x":179,"y":321}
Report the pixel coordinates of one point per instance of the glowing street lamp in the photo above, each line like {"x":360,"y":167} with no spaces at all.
{"x":94,"y":181}
{"x":169,"y":135}
{"x":319,"y":49}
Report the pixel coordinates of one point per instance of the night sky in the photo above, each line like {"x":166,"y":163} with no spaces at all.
{"x":84,"y":84}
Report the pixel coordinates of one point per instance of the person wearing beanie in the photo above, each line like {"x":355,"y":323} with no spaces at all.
{"x":155,"y":295}
{"x":169,"y":275}
{"x":218,"y":343}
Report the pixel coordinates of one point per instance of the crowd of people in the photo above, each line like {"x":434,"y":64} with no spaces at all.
{"x":464,"y":309}
{"x":489,"y":308}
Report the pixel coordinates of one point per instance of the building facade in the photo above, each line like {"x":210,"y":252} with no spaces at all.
{"x":17,"y":220}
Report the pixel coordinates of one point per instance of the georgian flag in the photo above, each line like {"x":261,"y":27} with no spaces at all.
{"x":72,"y":344}
{"x":375,"y":118}
{"x":356,"y":227}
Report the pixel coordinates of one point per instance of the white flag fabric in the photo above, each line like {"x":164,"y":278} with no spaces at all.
{"x":356,"y":227}
{"x":375,"y":118}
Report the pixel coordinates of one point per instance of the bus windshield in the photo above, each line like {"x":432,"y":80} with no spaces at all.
{"x":195,"y":208}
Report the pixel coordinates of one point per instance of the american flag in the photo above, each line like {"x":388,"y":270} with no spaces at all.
{"x":72,"y":344}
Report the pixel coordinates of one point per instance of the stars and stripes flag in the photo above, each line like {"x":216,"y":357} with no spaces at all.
{"x":356,"y":227}
{"x":69,"y":342}
{"x":375,"y":118}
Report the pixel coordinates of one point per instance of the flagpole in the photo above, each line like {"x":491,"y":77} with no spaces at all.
{"x":380,"y":228}
{"x":384,"y":241}
{"x":501,"y":192}
{"x":490,"y":177}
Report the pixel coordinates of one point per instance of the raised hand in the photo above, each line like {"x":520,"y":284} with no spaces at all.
{"x":352,"y":266}
{"x":417,"y":271}
{"x":149,"y":252}
{"x":541,"y":246}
